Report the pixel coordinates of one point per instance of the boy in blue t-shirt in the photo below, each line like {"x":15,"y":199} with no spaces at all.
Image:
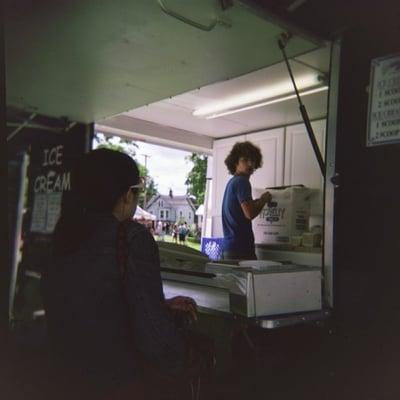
{"x":238,"y":206}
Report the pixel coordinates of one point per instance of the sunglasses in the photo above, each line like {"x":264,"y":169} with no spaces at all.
{"x":138,"y":186}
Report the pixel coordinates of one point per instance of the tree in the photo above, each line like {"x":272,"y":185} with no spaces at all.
{"x":151,"y":186}
{"x":115,"y":143}
{"x":128,"y":147}
{"x":196,"y":179}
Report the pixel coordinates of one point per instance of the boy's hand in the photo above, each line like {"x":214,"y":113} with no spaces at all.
{"x":266,"y":197}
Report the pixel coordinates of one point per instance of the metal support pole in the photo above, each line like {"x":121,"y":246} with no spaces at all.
{"x":146,"y":156}
{"x":303,"y":112}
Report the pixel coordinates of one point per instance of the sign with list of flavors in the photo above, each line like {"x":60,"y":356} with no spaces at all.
{"x":383,"y":125}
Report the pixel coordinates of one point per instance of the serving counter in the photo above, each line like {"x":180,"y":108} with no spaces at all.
{"x":215,"y":301}
{"x":267,"y":296}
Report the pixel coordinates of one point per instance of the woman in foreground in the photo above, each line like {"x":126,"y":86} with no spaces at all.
{"x":108,"y":320}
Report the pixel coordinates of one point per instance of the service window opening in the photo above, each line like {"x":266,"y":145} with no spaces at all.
{"x":211,"y":119}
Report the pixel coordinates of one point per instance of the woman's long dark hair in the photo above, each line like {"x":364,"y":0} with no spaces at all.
{"x":98,"y":180}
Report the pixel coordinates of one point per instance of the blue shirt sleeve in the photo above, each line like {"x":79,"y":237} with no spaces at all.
{"x":243,"y":189}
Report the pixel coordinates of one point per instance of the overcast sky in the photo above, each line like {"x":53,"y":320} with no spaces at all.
{"x":168,"y":167}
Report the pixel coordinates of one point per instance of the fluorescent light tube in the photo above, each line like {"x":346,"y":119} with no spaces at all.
{"x":267,"y":102}
{"x":262,"y":95}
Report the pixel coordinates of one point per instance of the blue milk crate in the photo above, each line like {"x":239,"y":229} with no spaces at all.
{"x":212,"y":247}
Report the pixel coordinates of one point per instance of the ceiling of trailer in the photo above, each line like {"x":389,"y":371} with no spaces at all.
{"x":175,"y":115}
{"x":91,"y":60}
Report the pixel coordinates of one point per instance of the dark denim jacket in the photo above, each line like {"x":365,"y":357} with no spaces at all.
{"x":96,"y":322}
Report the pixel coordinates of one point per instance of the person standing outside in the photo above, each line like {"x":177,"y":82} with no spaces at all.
{"x":159,"y":231}
{"x":186,"y":233}
{"x":175,"y":233}
{"x":182,"y":233}
{"x":238,"y":206}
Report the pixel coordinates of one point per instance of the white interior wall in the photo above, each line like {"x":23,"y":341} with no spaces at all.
{"x":288,"y":160}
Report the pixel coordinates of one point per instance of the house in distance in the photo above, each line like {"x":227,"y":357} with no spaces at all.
{"x":171,"y":208}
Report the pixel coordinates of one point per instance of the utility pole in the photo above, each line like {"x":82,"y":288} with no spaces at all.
{"x":146,"y":156}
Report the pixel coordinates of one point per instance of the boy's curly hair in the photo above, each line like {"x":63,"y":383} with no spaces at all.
{"x":246,"y":150}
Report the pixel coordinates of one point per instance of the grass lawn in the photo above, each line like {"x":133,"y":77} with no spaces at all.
{"x":189,"y":243}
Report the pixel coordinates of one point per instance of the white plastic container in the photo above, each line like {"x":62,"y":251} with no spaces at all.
{"x":283,"y":290}
{"x":276,"y":225}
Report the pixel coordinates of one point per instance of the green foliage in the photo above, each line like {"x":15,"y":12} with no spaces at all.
{"x":193,"y":239}
{"x":150,"y":187}
{"x":128,"y":147}
{"x":115,"y":143}
{"x":196,"y":179}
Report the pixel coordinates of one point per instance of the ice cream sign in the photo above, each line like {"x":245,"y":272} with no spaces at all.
{"x":52,"y":180}
{"x":51,"y":160}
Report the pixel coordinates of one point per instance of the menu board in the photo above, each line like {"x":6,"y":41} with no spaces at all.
{"x":46,"y":211}
{"x":383,"y":126}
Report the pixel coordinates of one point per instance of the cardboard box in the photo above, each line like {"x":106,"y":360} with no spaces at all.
{"x":276,"y":225}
